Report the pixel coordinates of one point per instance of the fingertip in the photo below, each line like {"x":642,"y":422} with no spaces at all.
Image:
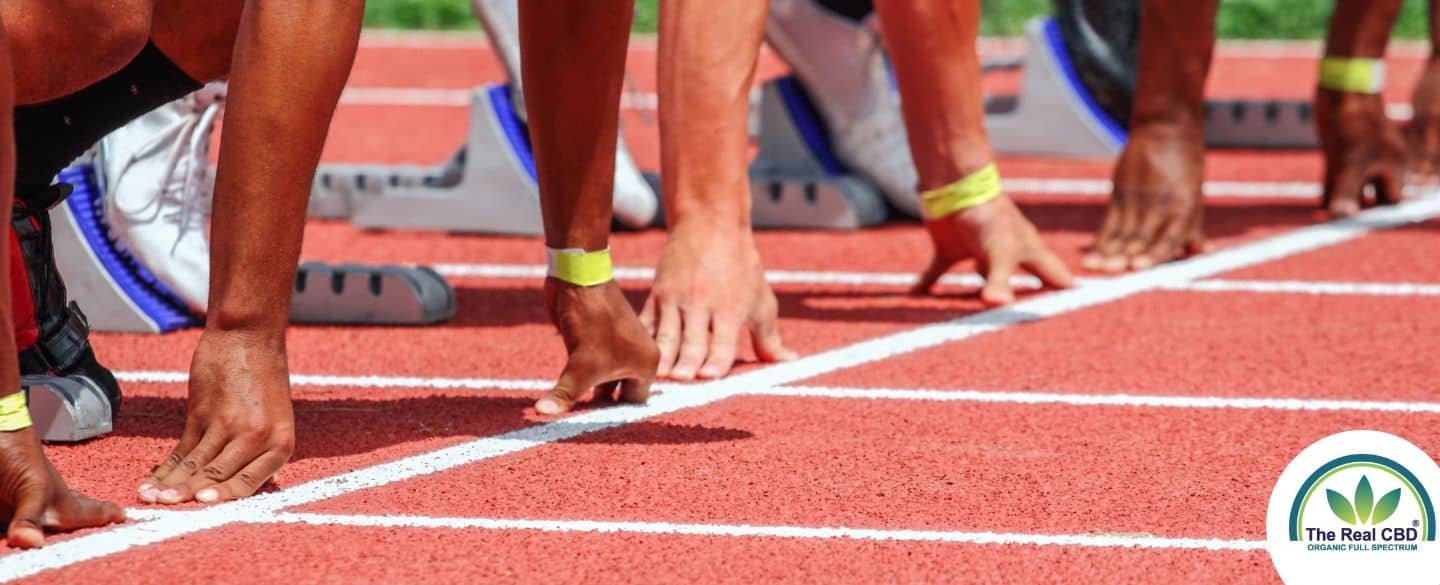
{"x":1114,"y":264}
{"x":1142,"y":262}
{"x":550,"y":406}
{"x":1344,"y":207}
{"x":997,"y":297}
{"x":24,"y":534}
{"x":207,"y":496}
{"x":1092,"y":261}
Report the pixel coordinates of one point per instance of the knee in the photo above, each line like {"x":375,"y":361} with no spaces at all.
{"x":117,"y":31}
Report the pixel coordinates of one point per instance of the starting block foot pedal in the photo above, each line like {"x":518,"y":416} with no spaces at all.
{"x":67,"y":410}
{"x":1259,"y":124}
{"x":117,"y":292}
{"x":359,"y":294}
{"x":796,"y":180}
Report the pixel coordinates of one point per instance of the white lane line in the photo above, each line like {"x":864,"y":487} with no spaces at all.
{"x":326,"y":381}
{"x":450,"y":97}
{"x":1079,"y":399}
{"x":972,"y":280}
{"x":1101,"y":187}
{"x":106,"y":542}
{"x":789,"y":532}
{"x":1025,"y":397}
{"x":1383,"y":289}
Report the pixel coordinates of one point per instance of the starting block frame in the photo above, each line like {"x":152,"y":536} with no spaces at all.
{"x":384,"y":295}
{"x":496,"y":192}
{"x":796,"y":180}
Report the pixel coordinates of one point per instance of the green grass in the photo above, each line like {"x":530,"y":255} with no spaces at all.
{"x":1239,"y":19}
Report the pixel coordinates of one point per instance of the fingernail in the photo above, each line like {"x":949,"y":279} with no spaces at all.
{"x":1141,"y":262}
{"x":547,"y":406}
{"x":207,"y":495}
{"x":149,"y":495}
{"x":709,"y":372}
{"x":145,"y":487}
{"x":169,"y":495}
{"x":682,"y":374}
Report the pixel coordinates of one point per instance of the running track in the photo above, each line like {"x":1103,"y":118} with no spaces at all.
{"x":1129,"y":430}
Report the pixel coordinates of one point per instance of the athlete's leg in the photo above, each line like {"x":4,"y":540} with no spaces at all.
{"x":1156,"y":209}
{"x":932,"y":46}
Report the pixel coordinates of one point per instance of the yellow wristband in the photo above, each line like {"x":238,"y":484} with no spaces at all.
{"x":14,"y":414}
{"x":1352,"y":75}
{"x":975,"y":189}
{"x":581,"y":268}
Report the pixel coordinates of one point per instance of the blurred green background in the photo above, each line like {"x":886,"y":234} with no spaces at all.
{"x":1239,"y":19}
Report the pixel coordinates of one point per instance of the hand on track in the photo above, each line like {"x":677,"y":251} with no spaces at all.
{"x":1362,"y":148}
{"x":1157,"y":207}
{"x":1000,"y":239}
{"x":607,"y":347}
{"x":239,"y":423}
{"x":709,"y":289}
{"x":34,"y":498}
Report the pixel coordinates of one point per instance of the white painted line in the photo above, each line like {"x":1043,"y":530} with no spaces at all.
{"x":791,"y":532}
{"x":1068,"y":399}
{"x":971,"y":280}
{"x":455,"y":97}
{"x":1102,"y":187}
{"x":1397,"y":289}
{"x":106,"y":542}
{"x":937,"y":395}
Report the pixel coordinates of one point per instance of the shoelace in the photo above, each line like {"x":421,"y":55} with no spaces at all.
{"x":183,"y":183}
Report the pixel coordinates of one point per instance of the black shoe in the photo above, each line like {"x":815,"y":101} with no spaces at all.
{"x":64,"y":346}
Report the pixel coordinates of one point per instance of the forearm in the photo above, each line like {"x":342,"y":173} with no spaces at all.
{"x":1177,"y":42}
{"x":1361,"y":28}
{"x":932,"y":48}
{"x":708,"y":52}
{"x":574,"y":64}
{"x":9,"y":365}
{"x":290,"y":64}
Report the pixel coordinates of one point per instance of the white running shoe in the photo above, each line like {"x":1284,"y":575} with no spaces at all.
{"x":155,"y":176}
{"x":843,"y":66}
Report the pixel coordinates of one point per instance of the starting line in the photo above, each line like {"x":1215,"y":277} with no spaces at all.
{"x":110,"y":541}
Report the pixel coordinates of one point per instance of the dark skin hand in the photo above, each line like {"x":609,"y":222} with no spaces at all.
{"x":1361,"y":147}
{"x":709,"y":285}
{"x":574,"y":106}
{"x":932,"y":47}
{"x":1422,"y":134}
{"x":240,"y":427}
{"x":1156,"y":213}
{"x":1156,"y":209}
{"x":33,"y":496}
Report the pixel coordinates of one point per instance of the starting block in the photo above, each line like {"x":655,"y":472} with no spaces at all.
{"x":1260,"y":124}
{"x":386,"y":295}
{"x":1055,"y":114}
{"x":496,"y":190}
{"x":67,"y":410}
{"x":120,"y":294}
{"x":796,"y":180}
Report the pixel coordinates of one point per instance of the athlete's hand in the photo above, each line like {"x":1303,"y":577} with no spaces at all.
{"x":1422,"y":135}
{"x":34,"y":498}
{"x":607,"y":347}
{"x":239,"y":423}
{"x":1157,"y":207}
{"x":1000,"y":239}
{"x":1361,"y":148}
{"x":708,"y":286}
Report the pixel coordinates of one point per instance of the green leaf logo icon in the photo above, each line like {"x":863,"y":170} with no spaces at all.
{"x":1341,"y":507}
{"x":1386,"y":506}
{"x":1364,"y":500}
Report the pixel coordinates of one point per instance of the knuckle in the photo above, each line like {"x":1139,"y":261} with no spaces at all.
{"x":214,"y":473}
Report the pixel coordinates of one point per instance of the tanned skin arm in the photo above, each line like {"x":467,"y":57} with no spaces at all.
{"x":710,"y":285}
{"x":33,"y":496}
{"x":1361,"y":146}
{"x":291,"y":61}
{"x":573,"y":65}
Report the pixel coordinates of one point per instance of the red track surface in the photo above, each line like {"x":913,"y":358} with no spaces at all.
{"x":785,"y":463}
